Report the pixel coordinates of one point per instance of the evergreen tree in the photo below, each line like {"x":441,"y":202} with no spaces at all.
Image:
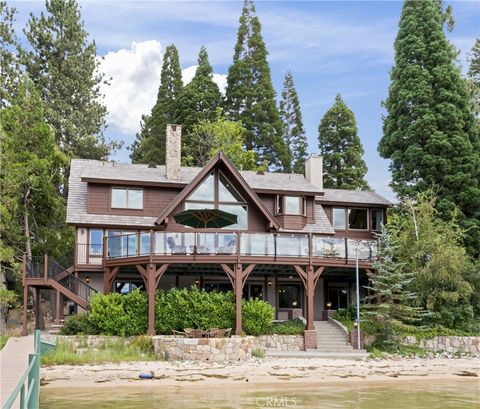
{"x":9,"y":64}
{"x":429,"y":131}
{"x":394,"y":302}
{"x":473,"y":78}
{"x":250,"y":97}
{"x":32,"y":211}
{"x":150,"y":144}
{"x":341,"y":149}
{"x":293,"y":131}
{"x":199,"y":99}
{"x":63,"y":65}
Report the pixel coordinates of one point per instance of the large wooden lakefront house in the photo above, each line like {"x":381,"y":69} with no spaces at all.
{"x":294,"y":244}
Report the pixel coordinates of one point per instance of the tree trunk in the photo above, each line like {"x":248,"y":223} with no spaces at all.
{"x":3,"y":308}
{"x":28,"y":250}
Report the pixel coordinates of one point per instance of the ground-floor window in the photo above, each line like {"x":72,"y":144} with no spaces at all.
{"x":289,"y":296}
{"x":337,"y":297}
{"x":125,"y":287}
{"x":251,"y":291}
{"x":221,"y":287}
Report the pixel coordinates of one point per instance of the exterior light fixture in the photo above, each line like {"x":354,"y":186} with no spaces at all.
{"x":87,"y":280}
{"x":294,"y":303}
{"x":197,"y":282}
{"x":269,"y":283}
{"x":290,"y":277}
{"x":329,"y":305}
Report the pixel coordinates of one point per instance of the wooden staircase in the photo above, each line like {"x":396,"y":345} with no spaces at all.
{"x":42,"y":272}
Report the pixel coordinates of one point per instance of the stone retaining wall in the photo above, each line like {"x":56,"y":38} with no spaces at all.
{"x":203,"y":349}
{"x":450,"y":344}
{"x":198,"y":349}
{"x":280,"y":343}
{"x":90,"y":341}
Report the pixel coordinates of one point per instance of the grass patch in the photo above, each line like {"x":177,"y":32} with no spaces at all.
{"x":292,"y":327}
{"x":258,"y":353}
{"x":140,"y":349}
{"x":3,"y":341}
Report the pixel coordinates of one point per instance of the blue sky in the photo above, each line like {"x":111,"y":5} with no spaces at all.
{"x":330,"y":47}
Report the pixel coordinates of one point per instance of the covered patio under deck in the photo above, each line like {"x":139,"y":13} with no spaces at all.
{"x":294,"y":290}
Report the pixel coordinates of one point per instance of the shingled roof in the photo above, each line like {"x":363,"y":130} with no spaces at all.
{"x":105,"y":171}
{"x":353,"y":196}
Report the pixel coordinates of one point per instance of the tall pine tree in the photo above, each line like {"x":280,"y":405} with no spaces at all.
{"x":63,"y":65}
{"x":294,"y":135}
{"x":341,"y":149}
{"x":198,"y":100}
{"x":429,"y":131}
{"x":9,"y":64}
{"x":149,"y":146}
{"x":250,"y":97}
{"x":473,"y":78}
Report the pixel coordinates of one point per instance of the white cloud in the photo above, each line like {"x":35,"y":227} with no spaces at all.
{"x":135,"y":78}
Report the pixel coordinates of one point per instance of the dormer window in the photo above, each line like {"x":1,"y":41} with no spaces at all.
{"x":127,"y":198}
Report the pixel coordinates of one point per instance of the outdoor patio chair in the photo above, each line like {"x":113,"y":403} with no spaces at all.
{"x":228,"y":332}
{"x":193,"y":333}
{"x":211,"y":332}
{"x":174,"y":248}
{"x":181,"y":334}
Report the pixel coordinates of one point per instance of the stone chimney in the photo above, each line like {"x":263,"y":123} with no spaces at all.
{"x":314,"y":171}
{"x":173,"y":151}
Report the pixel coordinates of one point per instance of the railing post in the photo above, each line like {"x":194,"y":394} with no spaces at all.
{"x":310,"y":247}
{"x":34,"y":380}
{"x":104,"y":250}
{"x":45,"y":267}
{"x":346,"y":250}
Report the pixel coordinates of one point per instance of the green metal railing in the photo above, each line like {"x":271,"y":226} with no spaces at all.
{"x":28,"y":386}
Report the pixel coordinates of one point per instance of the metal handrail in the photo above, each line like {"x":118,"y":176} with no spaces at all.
{"x":70,"y":281}
{"x":30,"y":399}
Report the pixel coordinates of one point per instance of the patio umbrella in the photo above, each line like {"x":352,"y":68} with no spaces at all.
{"x":206,"y":218}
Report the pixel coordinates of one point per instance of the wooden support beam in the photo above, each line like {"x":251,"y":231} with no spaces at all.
{"x":159,"y":274}
{"x":151,"y":287}
{"x":25,"y":305}
{"x":58,"y":298}
{"x":309,"y":277}
{"x":108,"y":278}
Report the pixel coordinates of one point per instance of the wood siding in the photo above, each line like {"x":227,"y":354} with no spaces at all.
{"x":154,"y":201}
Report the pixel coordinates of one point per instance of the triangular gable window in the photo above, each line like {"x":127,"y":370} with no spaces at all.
{"x":217,"y":192}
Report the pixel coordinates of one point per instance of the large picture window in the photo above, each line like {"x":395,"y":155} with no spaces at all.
{"x":357,"y":219}
{"x":217,"y":192}
{"x":377,"y":219}
{"x":293,"y":205}
{"x":127,"y":198}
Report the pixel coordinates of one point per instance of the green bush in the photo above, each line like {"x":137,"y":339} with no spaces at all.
{"x":118,"y":314}
{"x":257,"y":316}
{"x":292,"y":327}
{"x":178,"y":309}
{"x":79,"y":325}
{"x":142,"y":344}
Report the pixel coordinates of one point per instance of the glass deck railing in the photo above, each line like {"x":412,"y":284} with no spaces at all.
{"x":229,"y":243}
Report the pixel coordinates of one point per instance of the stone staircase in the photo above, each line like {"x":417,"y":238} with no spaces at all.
{"x":331,"y":338}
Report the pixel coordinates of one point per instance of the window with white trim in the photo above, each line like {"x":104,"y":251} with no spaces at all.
{"x":127,"y":198}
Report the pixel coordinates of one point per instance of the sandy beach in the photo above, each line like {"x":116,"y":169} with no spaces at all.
{"x":266,"y":371}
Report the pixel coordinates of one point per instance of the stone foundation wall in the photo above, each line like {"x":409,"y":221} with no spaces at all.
{"x":203,"y":349}
{"x":280,"y":343}
{"x":470,"y":345}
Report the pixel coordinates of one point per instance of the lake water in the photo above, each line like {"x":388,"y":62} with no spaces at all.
{"x":462,"y":394}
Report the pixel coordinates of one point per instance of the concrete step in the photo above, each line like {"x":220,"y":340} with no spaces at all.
{"x":313,"y":353}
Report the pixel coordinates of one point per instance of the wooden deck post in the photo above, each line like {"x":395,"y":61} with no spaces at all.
{"x":37,"y":308}
{"x":25,"y":310}
{"x":151,"y":287}
{"x":58,"y":298}
{"x":238,"y":299}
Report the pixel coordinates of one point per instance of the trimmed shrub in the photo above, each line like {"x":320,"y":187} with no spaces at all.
{"x":119,"y":314}
{"x":178,"y":309}
{"x":257,"y":316}
{"x":79,"y":325}
{"x":292,"y":327}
